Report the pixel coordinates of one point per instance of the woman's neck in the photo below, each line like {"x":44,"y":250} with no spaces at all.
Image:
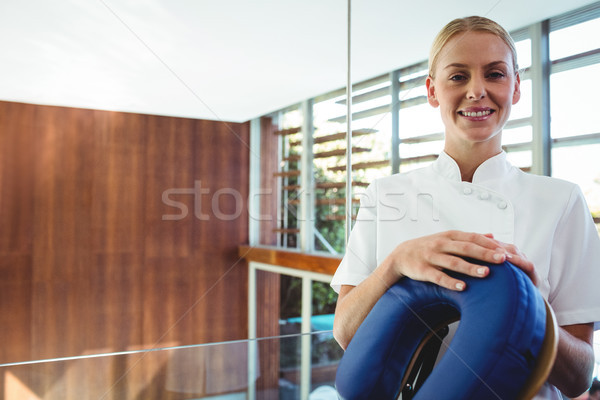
{"x":469,"y":160}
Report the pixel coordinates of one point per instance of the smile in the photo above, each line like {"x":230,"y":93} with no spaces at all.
{"x":475,"y":113}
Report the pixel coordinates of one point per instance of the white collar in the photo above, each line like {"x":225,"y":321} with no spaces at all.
{"x":496,"y":167}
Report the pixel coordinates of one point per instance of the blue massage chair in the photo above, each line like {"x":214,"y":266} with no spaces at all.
{"x":504,"y":346}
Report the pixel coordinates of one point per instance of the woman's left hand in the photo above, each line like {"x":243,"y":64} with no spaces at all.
{"x":518,"y":259}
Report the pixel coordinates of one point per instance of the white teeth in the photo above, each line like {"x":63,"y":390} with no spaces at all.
{"x":476,"y":114}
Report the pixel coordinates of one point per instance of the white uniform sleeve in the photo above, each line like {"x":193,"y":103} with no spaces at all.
{"x":574,"y":274}
{"x":360,"y":258}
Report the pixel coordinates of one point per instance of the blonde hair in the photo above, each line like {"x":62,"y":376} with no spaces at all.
{"x":468,"y":24}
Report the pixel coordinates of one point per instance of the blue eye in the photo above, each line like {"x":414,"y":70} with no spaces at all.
{"x":457,"y":77}
{"x":496,"y":75}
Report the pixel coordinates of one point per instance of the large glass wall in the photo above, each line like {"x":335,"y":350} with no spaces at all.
{"x":575,"y":128}
{"x":395,"y":129}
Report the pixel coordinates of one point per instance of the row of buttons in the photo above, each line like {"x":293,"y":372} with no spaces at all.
{"x":485,"y":196}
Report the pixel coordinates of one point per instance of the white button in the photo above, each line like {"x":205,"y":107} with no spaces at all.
{"x":502,"y":205}
{"x":484,"y":195}
{"x":467,"y":190}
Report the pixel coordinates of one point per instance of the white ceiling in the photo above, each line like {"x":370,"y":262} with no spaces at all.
{"x":230,"y":60}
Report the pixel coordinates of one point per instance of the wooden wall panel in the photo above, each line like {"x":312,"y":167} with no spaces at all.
{"x":268,"y":287}
{"x":170,"y":143}
{"x":63,"y":173}
{"x":166,"y":306}
{"x":15,"y":306}
{"x":118,"y":193}
{"x":89,"y":263}
{"x":16,"y":179}
{"x":16,"y":216}
{"x":113,"y":301}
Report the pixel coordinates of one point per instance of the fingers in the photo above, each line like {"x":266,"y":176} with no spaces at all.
{"x":519,"y":260}
{"x":475,"y":246}
{"x":429,"y":258}
{"x":451,"y":252}
{"x":459,"y":264}
{"x":484,"y":240}
{"x":444,"y":280}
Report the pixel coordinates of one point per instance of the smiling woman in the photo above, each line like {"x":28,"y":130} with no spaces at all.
{"x":392,"y":119}
{"x":490,"y":210}
{"x":474,"y":80}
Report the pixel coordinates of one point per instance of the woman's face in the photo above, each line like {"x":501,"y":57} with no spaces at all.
{"x":475,"y":86}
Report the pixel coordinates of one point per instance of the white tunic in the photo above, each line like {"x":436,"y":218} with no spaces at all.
{"x":546,"y":218}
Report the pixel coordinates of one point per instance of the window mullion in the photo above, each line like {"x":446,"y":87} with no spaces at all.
{"x":306,"y":216}
{"x":540,"y":77}
{"x":395,"y":101}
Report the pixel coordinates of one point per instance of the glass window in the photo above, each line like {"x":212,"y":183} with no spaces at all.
{"x":420,"y":125}
{"x":371,"y":97}
{"x":421,"y":148}
{"x":515,"y":136}
{"x":517,"y":143}
{"x":328,"y":157}
{"x":420,"y":120}
{"x":579,"y":164}
{"x":520,"y":159}
{"x":421,"y":131}
{"x":288,"y":175}
{"x":575,"y":39}
{"x":371,"y":138}
{"x":524,"y":53}
{"x":523,"y":108}
{"x":325,"y":351}
{"x":290,"y":324}
{"x":574,"y":102}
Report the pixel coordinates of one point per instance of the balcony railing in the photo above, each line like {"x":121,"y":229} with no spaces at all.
{"x":225,"y":371}
{"x":315,"y":352}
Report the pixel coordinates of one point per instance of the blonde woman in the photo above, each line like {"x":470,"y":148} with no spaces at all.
{"x":472,"y":203}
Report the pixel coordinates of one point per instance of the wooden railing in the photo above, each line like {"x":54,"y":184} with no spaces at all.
{"x":291,"y":259}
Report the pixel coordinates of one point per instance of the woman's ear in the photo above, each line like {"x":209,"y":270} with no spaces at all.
{"x":431,"y":92}
{"x":517,"y":92}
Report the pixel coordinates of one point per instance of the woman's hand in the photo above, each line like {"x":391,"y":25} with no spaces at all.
{"x":518,"y":259}
{"x":426,"y":258}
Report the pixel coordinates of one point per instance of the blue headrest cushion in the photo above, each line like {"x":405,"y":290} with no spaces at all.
{"x":501,"y":330}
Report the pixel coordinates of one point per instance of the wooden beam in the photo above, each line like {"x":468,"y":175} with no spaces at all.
{"x":291,"y":259}
{"x":290,"y":131}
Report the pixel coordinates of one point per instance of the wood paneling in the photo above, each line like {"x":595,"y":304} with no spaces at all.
{"x":268,"y":286}
{"x":88,"y":261}
{"x":17,"y":219}
{"x":15,"y":306}
{"x":169,"y":144}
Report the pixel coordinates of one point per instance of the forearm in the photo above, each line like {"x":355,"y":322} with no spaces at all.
{"x":423,"y":259}
{"x":573,"y":368}
{"x":356,"y":303}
